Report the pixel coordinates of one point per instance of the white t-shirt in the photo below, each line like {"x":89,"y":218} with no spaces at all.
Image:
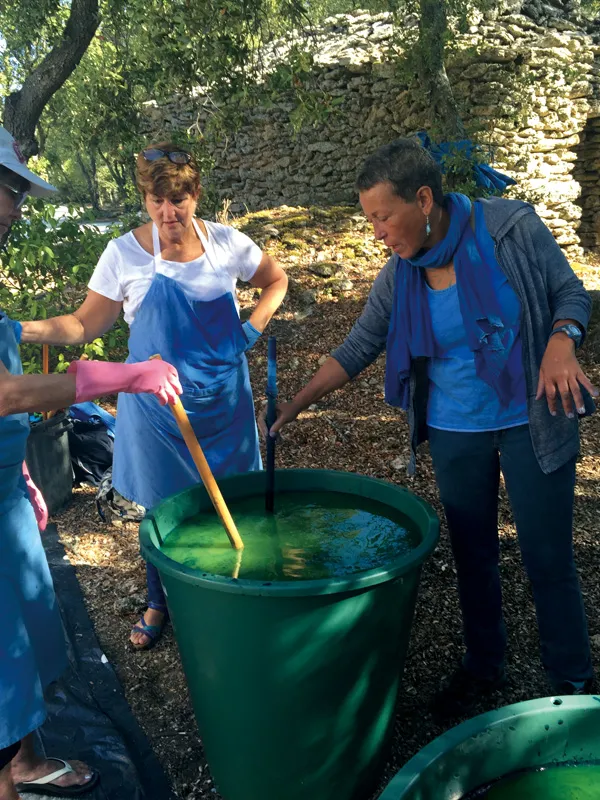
{"x":125,"y":270}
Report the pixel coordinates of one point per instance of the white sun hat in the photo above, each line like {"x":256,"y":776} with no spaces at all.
{"x":12,"y":158}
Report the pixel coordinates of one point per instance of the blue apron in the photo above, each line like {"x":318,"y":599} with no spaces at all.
{"x":32,"y":645}
{"x":204,"y":340}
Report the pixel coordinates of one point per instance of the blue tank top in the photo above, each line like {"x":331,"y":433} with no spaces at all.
{"x":459,"y":400}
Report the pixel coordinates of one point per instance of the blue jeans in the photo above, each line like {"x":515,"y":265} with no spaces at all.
{"x":156,"y":596}
{"x":467,"y":468}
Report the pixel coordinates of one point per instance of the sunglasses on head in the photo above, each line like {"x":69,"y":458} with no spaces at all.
{"x":176,"y":156}
{"x":18,"y":197}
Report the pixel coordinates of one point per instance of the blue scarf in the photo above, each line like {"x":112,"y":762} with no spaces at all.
{"x":410,"y":333}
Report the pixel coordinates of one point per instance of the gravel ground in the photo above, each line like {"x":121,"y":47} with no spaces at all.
{"x":352,"y":430}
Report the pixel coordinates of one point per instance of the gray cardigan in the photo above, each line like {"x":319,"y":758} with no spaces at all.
{"x":548,"y":290}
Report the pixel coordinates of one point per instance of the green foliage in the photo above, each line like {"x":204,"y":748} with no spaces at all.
{"x":296,"y":81}
{"x":92,"y":128}
{"x":320,"y":9}
{"x":590,"y":8}
{"x":458,"y":172}
{"x":29,"y":28}
{"x":44,"y":271}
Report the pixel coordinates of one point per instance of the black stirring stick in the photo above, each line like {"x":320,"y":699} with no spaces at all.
{"x":271,"y":416}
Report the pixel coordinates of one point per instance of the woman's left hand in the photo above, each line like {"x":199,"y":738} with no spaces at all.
{"x":252,"y":334}
{"x":561,"y":377}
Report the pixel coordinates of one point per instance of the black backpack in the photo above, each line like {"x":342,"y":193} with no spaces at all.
{"x":91,"y":450}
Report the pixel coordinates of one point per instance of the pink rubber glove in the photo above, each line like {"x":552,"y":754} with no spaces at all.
{"x":37,"y":500}
{"x":96,"y":378}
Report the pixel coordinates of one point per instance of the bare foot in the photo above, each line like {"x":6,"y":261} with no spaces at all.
{"x":151,"y":617}
{"x":7,"y":787}
{"x":24,"y":771}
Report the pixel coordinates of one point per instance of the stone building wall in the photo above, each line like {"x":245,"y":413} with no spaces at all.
{"x":527,"y":78}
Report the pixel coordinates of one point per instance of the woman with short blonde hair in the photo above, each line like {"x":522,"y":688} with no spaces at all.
{"x":175,"y":280}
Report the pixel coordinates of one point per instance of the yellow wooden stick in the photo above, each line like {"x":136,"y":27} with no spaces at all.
{"x":208,"y":478}
{"x":45,"y":371}
{"x":238,"y":563}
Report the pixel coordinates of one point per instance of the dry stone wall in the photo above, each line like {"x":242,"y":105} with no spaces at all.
{"x":527,"y":77}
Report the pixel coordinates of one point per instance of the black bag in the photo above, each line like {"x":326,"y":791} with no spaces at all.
{"x":91,"y":450}
{"x":49,"y":460}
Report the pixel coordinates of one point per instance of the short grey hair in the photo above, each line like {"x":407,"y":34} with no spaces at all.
{"x":407,"y":165}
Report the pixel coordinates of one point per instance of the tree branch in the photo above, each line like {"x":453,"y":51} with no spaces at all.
{"x":117,"y":175}
{"x":90,"y":177}
{"x":23,"y":108}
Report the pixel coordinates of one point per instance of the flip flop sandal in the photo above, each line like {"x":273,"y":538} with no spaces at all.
{"x":46,"y":785}
{"x":153,"y":632}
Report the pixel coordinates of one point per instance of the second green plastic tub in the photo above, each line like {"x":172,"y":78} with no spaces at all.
{"x":523,"y":736}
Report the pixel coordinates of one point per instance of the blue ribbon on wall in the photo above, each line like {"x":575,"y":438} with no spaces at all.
{"x":484,"y":175}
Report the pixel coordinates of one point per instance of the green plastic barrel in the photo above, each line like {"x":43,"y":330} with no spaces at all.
{"x":293,"y":684}
{"x":552,"y":730}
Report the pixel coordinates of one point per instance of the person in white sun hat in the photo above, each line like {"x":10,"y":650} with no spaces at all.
{"x":32,"y":648}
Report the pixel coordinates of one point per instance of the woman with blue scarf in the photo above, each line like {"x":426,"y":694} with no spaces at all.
{"x":480,"y":315}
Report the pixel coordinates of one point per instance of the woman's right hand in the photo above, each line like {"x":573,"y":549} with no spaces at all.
{"x":155,"y":377}
{"x":329,"y":377}
{"x":286,"y":412}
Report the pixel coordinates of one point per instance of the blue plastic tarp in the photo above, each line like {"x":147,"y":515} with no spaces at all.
{"x":89,"y":411}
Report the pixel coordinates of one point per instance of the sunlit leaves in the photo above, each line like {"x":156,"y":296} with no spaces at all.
{"x":149,"y":50}
{"x":44,"y":272}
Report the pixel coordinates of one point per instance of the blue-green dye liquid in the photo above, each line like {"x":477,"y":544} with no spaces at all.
{"x":310,"y":536}
{"x":568,"y":782}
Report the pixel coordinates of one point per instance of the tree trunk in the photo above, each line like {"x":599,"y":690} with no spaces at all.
{"x":117,"y":175}
{"x":23,"y":108}
{"x":89,"y":173}
{"x":433,"y":29}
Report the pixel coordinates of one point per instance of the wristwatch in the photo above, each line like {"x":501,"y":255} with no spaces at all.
{"x":572,"y":332}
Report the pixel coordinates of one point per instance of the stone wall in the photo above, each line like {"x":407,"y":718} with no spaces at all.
{"x":527,"y":80}
{"x":586,"y":173}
